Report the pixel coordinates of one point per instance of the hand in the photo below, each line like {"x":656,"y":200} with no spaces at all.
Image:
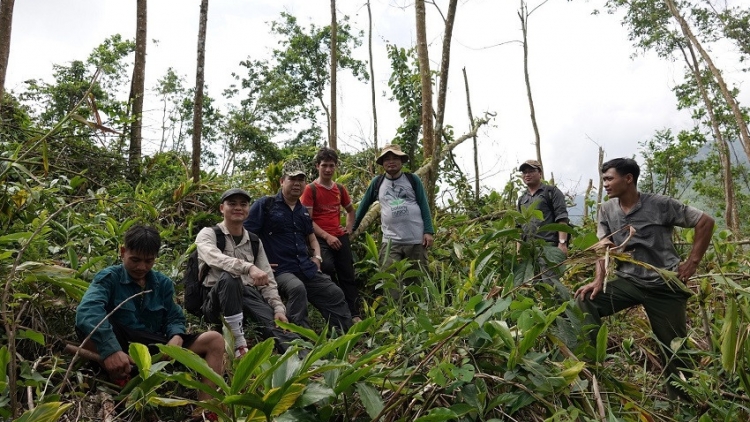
{"x":176,"y":340}
{"x":118,"y":365}
{"x":278,"y":316}
{"x":333,"y":242}
{"x":591,"y":289}
{"x":563,"y":247}
{"x":260,"y":278}
{"x":348,"y":230}
{"x":686,"y":270}
{"x":427,"y":240}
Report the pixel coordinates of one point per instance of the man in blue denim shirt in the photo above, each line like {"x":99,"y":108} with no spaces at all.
{"x":149,"y":318}
{"x":285,"y":228}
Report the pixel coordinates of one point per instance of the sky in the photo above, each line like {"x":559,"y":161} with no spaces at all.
{"x":590,"y":88}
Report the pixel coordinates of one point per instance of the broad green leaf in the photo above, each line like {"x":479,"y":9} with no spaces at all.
{"x":370,"y":398}
{"x":438,"y":414}
{"x":345,"y":381}
{"x":14,"y":237}
{"x":315,"y":393}
{"x":601,"y":343}
{"x":194,"y":362}
{"x":47,"y":412}
{"x":282,"y":399}
{"x":32,"y":335}
{"x":254,"y":358}
{"x":142,"y":358}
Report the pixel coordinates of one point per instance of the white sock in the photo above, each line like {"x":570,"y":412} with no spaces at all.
{"x":235,"y":326}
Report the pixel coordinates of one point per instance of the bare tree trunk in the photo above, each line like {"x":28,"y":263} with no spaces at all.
{"x":524,"y":14}
{"x":137,"y":89}
{"x":428,"y":143}
{"x":195,"y":166}
{"x":476,"y":151}
{"x":730,"y":204}
{"x":445,"y":61}
{"x":332,"y":134}
{"x":372,"y":80}
{"x":6,"y":22}
{"x":731,"y":101}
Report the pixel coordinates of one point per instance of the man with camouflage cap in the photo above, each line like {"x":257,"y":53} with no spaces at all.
{"x":285,"y":228}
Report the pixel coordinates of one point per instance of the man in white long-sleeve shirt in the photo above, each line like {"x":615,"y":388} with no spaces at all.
{"x":240,"y":285}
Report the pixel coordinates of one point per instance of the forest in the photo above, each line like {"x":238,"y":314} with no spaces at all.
{"x":476,"y":338}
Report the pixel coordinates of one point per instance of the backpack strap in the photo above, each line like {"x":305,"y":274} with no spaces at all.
{"x":412,"y":179}
{"x":313,"y":190}
{"x":221,"y":240}
{"x":376,"y":188}
{"x":254,"y":244}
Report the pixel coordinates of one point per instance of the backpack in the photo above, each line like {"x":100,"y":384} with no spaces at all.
{"x":379,"y":181}
{"x":194,"y":275}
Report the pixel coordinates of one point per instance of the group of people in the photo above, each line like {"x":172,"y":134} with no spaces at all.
{"x":289,"y":245}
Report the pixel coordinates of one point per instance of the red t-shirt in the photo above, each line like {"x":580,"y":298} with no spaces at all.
{"x":326,"y":211}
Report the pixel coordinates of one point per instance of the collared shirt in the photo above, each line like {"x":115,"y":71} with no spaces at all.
{"x":284,"y":233}
{"x":155,"y":312}
{"x":653,"y":218}
{"x":558,"y":212}
{"x":236,"y":259}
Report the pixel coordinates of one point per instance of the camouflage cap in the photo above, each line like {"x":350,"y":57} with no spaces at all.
{"x":294,"y":168}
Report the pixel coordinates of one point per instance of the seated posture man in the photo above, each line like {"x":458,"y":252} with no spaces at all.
{"x":404,"y":211}
{"x":653,"y":217}
{"x":151,"y":318}
{"x":239,"y":284}
{"x":324,"y":199}
{"x":286,"y":229}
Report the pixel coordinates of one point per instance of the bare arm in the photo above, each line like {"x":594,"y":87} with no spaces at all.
{"x":703,"y":231}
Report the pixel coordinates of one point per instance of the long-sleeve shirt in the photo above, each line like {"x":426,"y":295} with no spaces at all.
{"x":154,"y":312}
{"x":236,"y":259}
{"x":404,"y":210}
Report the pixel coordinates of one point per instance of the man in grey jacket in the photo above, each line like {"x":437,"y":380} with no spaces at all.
{"x":239,"y":285}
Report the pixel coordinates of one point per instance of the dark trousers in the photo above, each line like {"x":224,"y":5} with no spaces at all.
{"x":339,"y":265}
{"x":323,"y":293}
{"x":666,"y":309}
{"x":229,"y":296}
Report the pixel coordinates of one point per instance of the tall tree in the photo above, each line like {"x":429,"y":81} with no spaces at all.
{"x":332,"y":134}
{"x":372,"y":82}
{"x":425,"y":77}
{"x":198,"y":102}
{"x":137,"y":90}
{"x":523,"y":15}
{"x":6,"y":21}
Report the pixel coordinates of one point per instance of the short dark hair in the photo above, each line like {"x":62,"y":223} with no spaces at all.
{"x":326,"y":154}
{"x":623,"y":166}
{"x":142,"y":239}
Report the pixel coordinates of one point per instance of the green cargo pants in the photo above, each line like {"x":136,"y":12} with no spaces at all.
{"x":665,"y":306}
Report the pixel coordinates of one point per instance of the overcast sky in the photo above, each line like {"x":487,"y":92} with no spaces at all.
{"x":587,"y":87}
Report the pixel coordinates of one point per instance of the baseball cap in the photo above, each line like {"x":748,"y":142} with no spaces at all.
{"x":293,"y":168}
{"x":232,"y":192}
{"x":531,"y":163}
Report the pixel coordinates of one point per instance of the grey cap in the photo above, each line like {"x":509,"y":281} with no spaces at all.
{"x":232,"y":192}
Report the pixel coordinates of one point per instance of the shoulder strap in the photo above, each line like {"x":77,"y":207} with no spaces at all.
{"x":412,"y":179}
{"x":221,"y":240}
{"x":376,"y":188}
{"x":313,"y":190}
{"x":551,"y":202}
{"x":254,"y":244}
{"x":268,"y":204}
{"x":340,"y":186}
